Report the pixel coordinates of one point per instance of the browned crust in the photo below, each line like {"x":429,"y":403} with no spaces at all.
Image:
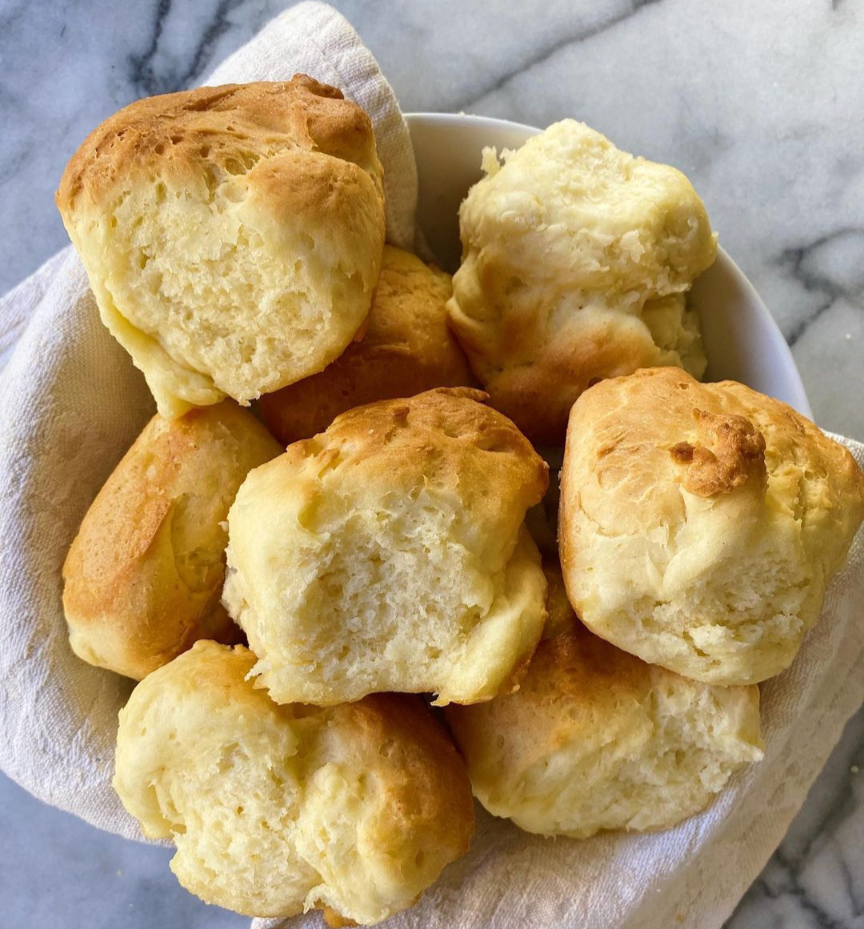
{"x":334,"y":920}
{"x":406,"y":349}
{"x":637,"y":432}
{"x":428,"y":784}
{"x":576,"y":680}
{"x":727,"y":452}
{"x":225,"y":128}
{"x":441,"y":435}
{"x":129,"y":596}
{"x":577,"y":684}
{"x":539,"y":394}
{"x":562,"y":618}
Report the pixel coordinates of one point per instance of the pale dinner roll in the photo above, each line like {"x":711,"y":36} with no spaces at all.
{"x":407,"y":348}
{"x":276,"y":810}
{"x":576,"y":257}
{"x":595,"y":739}
{"x":232,"y":235}
{"x":700,"y":523}
{"x":144,"y":575}
{"x":389,"y":554}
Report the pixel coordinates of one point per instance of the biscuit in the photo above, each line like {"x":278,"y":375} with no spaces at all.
{"x":595,"y":739}
{"x":275,"y":810}
{"x":389,"y":554}
{"x":576,"y":258}
{"x":232,"y":235}
{"x":701,"y":523}
{"x":407,"y":348}
{"x":144,"y":575}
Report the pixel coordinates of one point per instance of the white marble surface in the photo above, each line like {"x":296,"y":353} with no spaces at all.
{"x":758,"y":103}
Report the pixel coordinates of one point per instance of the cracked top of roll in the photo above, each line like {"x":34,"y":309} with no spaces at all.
{"x":389,"y":553}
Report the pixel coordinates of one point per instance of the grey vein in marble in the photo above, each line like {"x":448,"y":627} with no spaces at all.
{"x":759,"y":103}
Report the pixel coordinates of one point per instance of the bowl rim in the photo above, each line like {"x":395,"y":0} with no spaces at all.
{"x":801,"y":401}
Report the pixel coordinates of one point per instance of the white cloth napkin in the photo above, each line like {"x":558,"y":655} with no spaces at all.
{"x":70,"y":405}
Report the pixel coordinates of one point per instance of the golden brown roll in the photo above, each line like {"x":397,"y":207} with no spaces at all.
{"x":232,"y":235}
{"x":407,"y":348}
{"x":389,"y":554}
{"x":595,"y":739}
{"x":701,"y":523}
{"x":278,"y":809}
{"x":144,"y":575}
{"x":576,"y":259}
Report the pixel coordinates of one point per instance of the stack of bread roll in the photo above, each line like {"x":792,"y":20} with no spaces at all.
{"x":291,"y":613}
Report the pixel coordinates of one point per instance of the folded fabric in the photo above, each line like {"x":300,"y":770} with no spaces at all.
{"x":71,"y":403}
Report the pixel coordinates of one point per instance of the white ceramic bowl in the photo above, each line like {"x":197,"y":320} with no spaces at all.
{"x":742,"y":340}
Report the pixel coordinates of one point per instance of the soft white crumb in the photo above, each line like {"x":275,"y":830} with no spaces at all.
{"x":489,"y":163}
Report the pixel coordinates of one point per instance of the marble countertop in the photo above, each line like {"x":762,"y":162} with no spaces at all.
{"x":758,"y":103}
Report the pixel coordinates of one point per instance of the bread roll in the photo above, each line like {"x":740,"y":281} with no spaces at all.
{"x":594,"y":739}
{"x":278,"y":809}
{"x":144,"y":575}
{"x":389,"y":554}
{"x":700,"y":523}
{"x":576,"y":258}
{"x":407,"y":348}
{"x":232,"y":235}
